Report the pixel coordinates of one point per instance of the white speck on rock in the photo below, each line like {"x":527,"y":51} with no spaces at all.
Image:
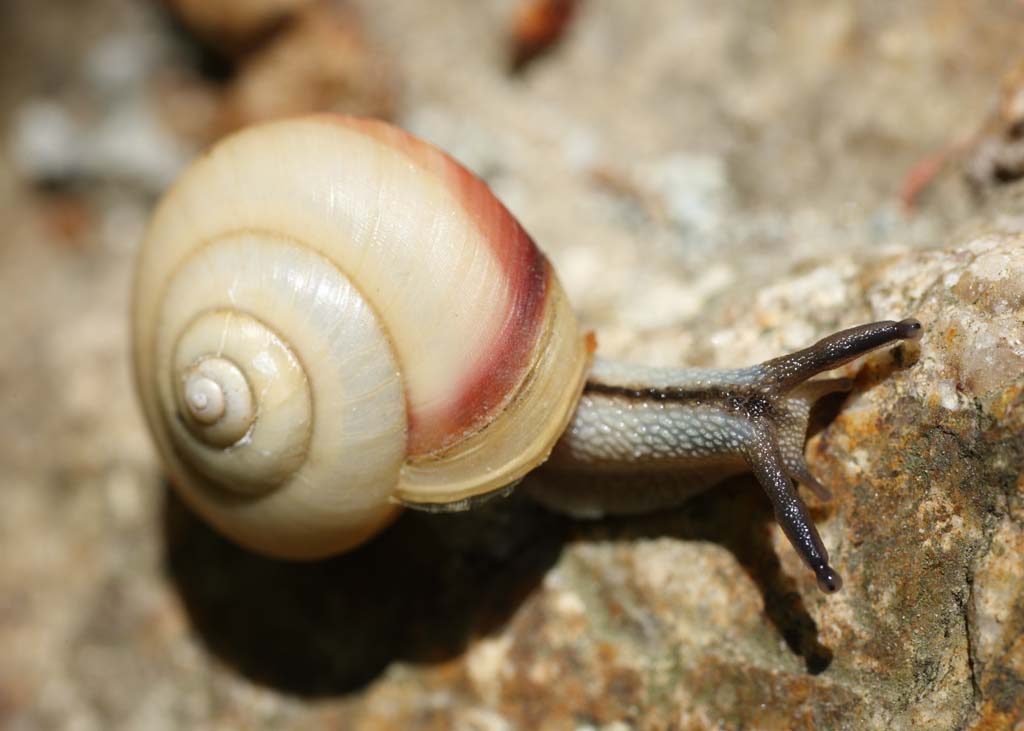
{"x":44,"y":142}
{"x":485,"y":664}
{"x":131,"y":143}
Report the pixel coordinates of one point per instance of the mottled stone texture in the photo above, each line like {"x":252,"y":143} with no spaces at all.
{"x":717,"y":183}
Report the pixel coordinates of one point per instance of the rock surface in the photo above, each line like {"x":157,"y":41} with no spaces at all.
{"x":716,"y":183}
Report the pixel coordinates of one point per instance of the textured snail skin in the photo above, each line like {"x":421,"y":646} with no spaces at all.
{"x":332,"y":318}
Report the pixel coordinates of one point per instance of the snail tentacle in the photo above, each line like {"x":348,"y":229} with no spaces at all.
{"x":791,"y":429}
{"x":830,"y":352}
{"x":765,"y":460}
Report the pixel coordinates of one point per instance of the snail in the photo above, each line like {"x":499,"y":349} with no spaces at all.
{"x":332,"y":319}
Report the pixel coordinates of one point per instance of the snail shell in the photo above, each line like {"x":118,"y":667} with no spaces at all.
{"x":332,"y":317}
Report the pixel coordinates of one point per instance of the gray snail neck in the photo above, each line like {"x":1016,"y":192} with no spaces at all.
{"x":644,"y":438}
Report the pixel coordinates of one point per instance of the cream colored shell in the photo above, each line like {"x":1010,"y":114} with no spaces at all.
{"x":318,"y":302}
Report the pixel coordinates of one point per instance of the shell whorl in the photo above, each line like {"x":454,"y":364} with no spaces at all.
{"x":332,"y":316}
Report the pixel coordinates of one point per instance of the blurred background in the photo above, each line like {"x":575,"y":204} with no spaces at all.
{"x":672,"y":157}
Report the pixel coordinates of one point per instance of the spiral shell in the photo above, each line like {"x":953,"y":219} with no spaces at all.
{"x":332,"y":317}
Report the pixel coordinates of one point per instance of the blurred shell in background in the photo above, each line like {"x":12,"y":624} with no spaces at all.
{"x":281,"y":58}
{"x":232,"y":25}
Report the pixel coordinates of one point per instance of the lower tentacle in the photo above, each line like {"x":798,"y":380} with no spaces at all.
{"x":790,"y":429}
{"x":800,"y":473}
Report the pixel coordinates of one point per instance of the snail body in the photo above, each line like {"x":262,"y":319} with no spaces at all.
{"x":332,"y":318}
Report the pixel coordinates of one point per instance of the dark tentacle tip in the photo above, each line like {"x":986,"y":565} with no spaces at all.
{"x":828,"y":580}
{"x":909,"y":329}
